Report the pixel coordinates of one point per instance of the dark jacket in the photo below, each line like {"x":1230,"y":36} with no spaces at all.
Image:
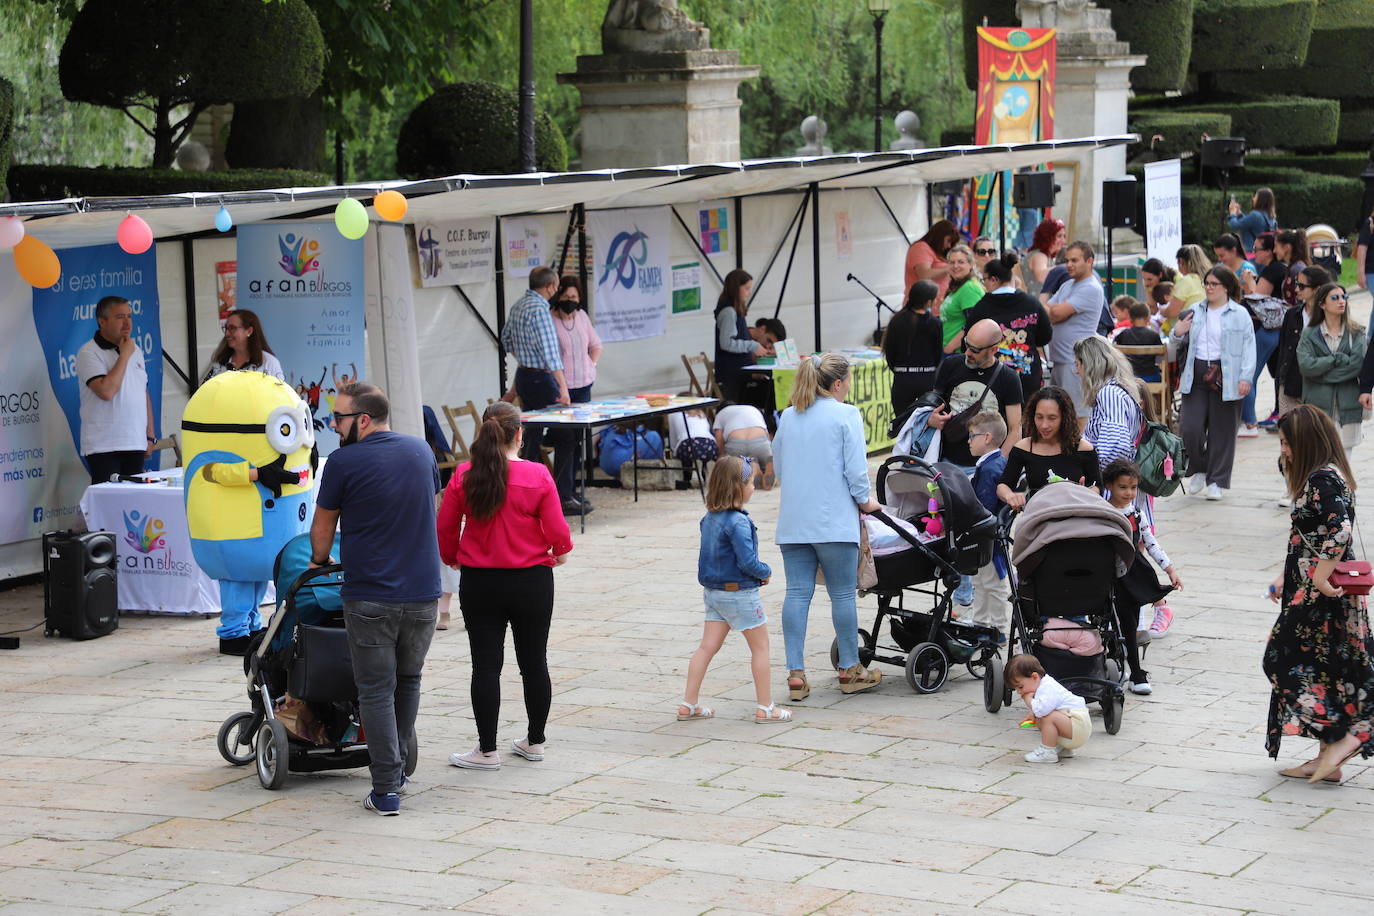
{"x":985,"y":479}
{"x":1290,"y":379}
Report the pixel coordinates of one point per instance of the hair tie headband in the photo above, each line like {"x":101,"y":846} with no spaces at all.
{"x":816,"y":360}
{"x":748,"y":469}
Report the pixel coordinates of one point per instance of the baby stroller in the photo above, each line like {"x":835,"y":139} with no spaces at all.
{"x":927,"y":642}
{"x":1071,"y":545}
{"x":299,"y":670}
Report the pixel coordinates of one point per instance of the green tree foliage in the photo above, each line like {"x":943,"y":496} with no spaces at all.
{"x":156,"y":55}
{"x":471,"y":128}
{"x":6,"y":127}
{"x":1000,"y":14}
{"x":1243,"y":35}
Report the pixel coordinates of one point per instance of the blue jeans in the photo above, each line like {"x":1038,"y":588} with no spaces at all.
{"x":537,"y":389}
{"x":389,"y":643}
{"x":1266,"y":342}
{"x":840,"y":563}
{"x":567,"y":447}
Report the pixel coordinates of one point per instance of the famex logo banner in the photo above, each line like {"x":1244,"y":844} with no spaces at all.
{"x":632,"y":294}
{"x":305,"y":281}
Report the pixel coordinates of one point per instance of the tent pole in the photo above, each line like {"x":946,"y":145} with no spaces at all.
{"x":567,"y":240}
{"x":895,"y":221}
{"x":739,"y":233}
{"x":500,"y":304}
{"x":816,"y":259}
{"x":188,"y":267}
{"x":1001,"y":216}
{"x":787,"y":273}
{"x":758,"y":281}
{"x":696,"y":242}
{"x":581,"y":211}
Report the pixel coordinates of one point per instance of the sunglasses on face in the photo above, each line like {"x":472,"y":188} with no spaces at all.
{"x":972,"y":349}
{"x":985,"y":251}
{"x":356,"y":413}
{"x":1335,"y":297}
{"x":1301,"y":285}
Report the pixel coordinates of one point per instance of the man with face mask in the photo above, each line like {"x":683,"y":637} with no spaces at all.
{"x":381,"y":487}
{"x":975,"y":380}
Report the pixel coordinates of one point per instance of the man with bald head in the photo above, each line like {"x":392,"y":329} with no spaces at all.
{"x":974,"y":383}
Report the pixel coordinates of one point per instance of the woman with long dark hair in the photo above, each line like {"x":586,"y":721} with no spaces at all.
{"x":1318,"y":659}
{"x":502,"y":525}
{"x":1263,"y":217}
{"x":911,"y":346}
{"x":1290,"y":247}
{"x":736,"y":343}
{"x":1330,"y":354}
{"x":244,"y":347}
{"x":925,"y":259}
{"x":1053,"y":446}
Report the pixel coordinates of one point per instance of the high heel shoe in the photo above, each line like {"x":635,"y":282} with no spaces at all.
{"x":796,"y":693}
{"x":1326,"y":766}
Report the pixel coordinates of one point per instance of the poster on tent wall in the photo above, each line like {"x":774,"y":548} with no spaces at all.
{"x":523,"y":239}
{"x":633,"y":282}
{"x":1015,"y":105}
{"x":1163,"y":209}
{"x":305,"y":281}
{"x":453,"y":253}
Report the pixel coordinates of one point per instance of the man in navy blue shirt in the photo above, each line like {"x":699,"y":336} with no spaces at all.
{"x":380,"y":488}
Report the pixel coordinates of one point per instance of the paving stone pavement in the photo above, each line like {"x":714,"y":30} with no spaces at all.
{"x":112,"y":795}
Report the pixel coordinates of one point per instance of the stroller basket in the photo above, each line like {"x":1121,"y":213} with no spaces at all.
{"x":959,"y":641}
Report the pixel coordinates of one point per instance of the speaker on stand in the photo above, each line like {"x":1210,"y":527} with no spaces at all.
{"x":1118,"y":212}
{"x":1221,"y":155}
{"x":80,"y":584}
{"x":1033,"y":190}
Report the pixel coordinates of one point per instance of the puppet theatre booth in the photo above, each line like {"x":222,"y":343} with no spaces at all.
{"x":415,"y":303}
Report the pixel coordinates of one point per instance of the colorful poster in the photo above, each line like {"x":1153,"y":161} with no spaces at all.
{"x":870,"y":390}
{"x":686,"y":288}
{"x":1163,"y":209}
{"x":844,"y":241}
{"x":305,"y":281}
{"x":631,"y":284}
{"x":524,"y":242}
{"x":714,"y":223}
{"x":226,"y":288}
{"x":1016,"y":73}
{"x":451,"y":253}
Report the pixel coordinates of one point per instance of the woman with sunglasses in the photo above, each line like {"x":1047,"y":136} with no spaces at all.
{"x":1330,"y":355}
{"x":1289,"y":387}
{"x":1046,"y":245}
{"x":964,"y":293}
{"x":1215,"y":379}
{"x":984,"y":250}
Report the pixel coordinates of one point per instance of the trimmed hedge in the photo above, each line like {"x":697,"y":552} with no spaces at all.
{"x":6,"y":126}
{"x":54,"y":182}
{"x":1282,"y":123}
{"x":1346,"y":165}
{"x":1357,"y":125}
{"x":1337,"y":65}
{"x":1182,"y":130}
{"x":1156,"y":28}
{"x":1245,"y":35}
{"x":999,"y":13}
{"x":473,"y":128}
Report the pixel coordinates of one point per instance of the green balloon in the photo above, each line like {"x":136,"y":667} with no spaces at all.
{"x":350,"y":217}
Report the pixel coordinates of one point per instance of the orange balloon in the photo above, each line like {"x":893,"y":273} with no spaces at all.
{"x":37,"y":263}
{"x":390,"y":205}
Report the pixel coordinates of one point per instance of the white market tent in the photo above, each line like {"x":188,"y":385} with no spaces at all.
{"x":437,"y":346}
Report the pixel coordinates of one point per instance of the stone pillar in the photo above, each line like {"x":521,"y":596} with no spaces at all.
{"x":659,"y":108}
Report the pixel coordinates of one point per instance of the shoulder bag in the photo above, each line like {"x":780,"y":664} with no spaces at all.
{"x":956,"y":427}
{"x":1354,"y":577}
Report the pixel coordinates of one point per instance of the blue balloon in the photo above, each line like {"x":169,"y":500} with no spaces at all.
{"x":223,"y":221}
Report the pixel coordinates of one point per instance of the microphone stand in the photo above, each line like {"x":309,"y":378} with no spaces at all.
{"x":878,"y":306}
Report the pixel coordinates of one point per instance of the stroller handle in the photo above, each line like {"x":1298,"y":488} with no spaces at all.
{"x":302,"y":581}
{"x":305,"y":578}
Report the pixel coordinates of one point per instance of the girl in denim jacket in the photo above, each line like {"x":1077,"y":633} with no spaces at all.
{"x":730,"y":573}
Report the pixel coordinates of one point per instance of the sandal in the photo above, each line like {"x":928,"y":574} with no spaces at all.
{"x":1297,"y":773}
{"x":771,"y":714}
{"x":796,"y":693}
{"x":859,"y":678}
{"x":693,"y":711}
{"x":1326,"y":769}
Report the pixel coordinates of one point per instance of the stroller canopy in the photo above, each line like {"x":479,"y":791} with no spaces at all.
{"x":1066,"y":511}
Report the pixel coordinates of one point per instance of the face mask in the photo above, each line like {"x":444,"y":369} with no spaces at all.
{"x":567,"y":306}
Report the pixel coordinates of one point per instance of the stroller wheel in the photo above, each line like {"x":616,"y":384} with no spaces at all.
{"x":274,"y":752}
{"x":994,"y":690}
{"x":866,"y":645}
{"x":412,"y":754}
{"x":977,"y":667}
{"x":236,"y":735}
{"x":927,"y":666}
{"x":1112,"y":709}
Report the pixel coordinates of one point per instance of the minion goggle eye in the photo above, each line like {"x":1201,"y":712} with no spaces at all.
{"x":289,"y":428}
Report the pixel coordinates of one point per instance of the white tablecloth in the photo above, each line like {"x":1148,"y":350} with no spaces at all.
{"x":157,"y":572}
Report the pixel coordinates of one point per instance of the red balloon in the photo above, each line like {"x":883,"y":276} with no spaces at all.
{"x":135,"y":235}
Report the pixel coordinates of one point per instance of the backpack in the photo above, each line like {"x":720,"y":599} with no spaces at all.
{"x":1161,"y":458}
{"x":618,"y":445}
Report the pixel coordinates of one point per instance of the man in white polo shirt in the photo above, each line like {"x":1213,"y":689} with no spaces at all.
{"x":116,"y":409}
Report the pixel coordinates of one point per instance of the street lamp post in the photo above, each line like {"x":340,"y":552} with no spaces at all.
{"x":527,"y":163}
{"x":878,"y":9}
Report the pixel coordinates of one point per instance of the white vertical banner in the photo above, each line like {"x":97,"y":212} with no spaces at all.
{"x":392,"y":341}
{"x":632,"y":288}
{"x":1163,"y":209}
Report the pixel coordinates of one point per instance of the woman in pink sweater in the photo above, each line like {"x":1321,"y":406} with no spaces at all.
{"x":502,"y":524}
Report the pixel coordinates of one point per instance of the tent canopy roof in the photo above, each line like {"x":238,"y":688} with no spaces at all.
{"x":93,"y":220}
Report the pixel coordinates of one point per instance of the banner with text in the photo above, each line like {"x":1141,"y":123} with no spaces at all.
{"x":305,"y":281}
{"x":524,"y":243}
{"x":462,"y":251}
{"x":870,"y":390}
{"x":632,"y":281}
{"x":1163,"y":209}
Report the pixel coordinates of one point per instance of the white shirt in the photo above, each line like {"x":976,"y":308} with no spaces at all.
{"x":1052,"y":695}
{"x":121,"y":423}
{"x":270,"y":366}
{"x":683,"y":426}
{"x":1209,"y":335}
{"x":738,"y":416}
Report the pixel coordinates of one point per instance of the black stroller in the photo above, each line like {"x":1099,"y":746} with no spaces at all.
{"x":1072,"y":547}
{"x":300,"y":668}
{"x":927,"y":642}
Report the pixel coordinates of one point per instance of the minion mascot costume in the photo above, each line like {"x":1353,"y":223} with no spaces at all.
{"x":250,"y":461}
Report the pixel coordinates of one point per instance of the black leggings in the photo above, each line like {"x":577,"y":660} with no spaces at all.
{"x":489,"y":599}
{"x":1127,"y":619}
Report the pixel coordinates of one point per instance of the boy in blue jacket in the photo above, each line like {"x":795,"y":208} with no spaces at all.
{"x":991,"y":590}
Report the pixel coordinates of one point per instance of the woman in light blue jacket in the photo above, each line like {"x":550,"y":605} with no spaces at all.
{"x":821,"y":455}
{"x":1221,"y":339}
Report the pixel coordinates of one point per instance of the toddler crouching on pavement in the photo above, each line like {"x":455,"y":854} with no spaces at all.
{"x":1059,"y":713}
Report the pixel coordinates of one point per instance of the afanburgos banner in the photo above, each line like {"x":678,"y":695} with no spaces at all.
{"x":42,"y":476}
{"x":632,"y":281}
{"x":305,"y":281}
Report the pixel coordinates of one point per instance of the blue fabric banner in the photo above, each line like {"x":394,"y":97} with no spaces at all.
{"x":305,"y":282}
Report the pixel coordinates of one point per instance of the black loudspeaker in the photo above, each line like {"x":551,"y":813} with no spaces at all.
{"x":80,"y":584}
{"x":1032,"y":190}
{"x":1223,"y":152}
{"x":1118,"y":203}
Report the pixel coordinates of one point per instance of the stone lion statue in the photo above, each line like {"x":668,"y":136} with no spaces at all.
{"x":650,"y":25}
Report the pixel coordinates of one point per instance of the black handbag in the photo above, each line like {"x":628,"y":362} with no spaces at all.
{"x":321,"y":666}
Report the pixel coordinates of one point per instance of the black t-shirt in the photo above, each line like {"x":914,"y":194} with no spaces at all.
{"x":914,"y":340}
{"x":959,"y":387}
{"x":1025,"y":328}
{"x":1141,"y":337}
{"x":1081,"y":464}
{"x":1275,"y":272}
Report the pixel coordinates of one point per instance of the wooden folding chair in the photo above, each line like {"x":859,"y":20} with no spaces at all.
{"x":1162,"y":391}
{"x":169,"y":442}
{"x":461,"y":451}
{"x":702,"y":389}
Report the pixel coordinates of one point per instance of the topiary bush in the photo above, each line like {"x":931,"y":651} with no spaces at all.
{"x":472,"y":128}
{"x":1181,"y":130}
{"x":1154,"y":27}
{"x":1244,"y":35}
{"x":6,"y":127}
{"x":1337,"y":64}
{"x":1346,"y":165}
{"x":1282,"y":123}
{"x":54,"y":182}
{"x":999,"y":14}
{"x":1357,"y":125}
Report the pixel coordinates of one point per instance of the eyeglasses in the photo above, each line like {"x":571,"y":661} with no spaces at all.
{"x":356,"y":413}
{"x":1213,"y":283}
{"x":974,"y":435}
{"x":1301,"y":285}
{"x":985,"y":251}
{"x":972,"y":349}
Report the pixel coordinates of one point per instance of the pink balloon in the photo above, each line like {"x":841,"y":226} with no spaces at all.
{"x":135,"y":235}
{"x":11,"y":231}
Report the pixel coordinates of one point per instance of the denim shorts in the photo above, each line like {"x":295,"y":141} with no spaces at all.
{"x":742,"y":610}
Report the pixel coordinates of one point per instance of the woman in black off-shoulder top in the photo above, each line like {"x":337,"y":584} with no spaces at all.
{"x":1052,"y":448}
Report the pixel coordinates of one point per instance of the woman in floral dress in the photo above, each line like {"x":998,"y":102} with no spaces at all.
{"x":1318,"y":659}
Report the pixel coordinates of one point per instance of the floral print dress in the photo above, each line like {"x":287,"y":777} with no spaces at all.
{"x":1318,"y":659}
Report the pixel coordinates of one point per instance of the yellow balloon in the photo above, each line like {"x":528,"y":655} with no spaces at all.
{"x":37,"y":263}
{"x":390,"y":205}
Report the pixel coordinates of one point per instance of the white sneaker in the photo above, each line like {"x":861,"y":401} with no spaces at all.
{"x":1247,"y":432}
{"x":1065,"y":753}
{"x":1143,"y":688}
{"x":1195,"y":484}
{"x":1043,"y":754}
{"x":1213,"y":492}
{"x":476,"y":760}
